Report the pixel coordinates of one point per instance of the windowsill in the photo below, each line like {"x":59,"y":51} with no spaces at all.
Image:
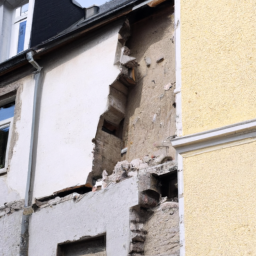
{"x":3,"y":171}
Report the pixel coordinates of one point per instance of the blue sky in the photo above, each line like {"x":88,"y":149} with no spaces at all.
{"x":88,"y":3}
{"x":6,"y":113}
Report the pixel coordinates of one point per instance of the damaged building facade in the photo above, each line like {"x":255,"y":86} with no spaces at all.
{"x":87,"y":114}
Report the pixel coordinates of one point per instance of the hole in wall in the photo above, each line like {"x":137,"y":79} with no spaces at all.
{"x":65,"y":192}
{"x":86,"y":247}
{"x":116,"y":130}
{"x":169,"y":186}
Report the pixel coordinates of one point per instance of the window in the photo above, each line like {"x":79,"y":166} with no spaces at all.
{"x":24,"y":9}
{"x":90,"y":247}
{"x":6,"y":117}
{"x":15,"y":27}
{"x":21,"y":21}
{"x":19,"y":28}
{"x":22,"y":31}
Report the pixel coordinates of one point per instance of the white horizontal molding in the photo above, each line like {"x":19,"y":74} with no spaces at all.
{"x":223,"y":135}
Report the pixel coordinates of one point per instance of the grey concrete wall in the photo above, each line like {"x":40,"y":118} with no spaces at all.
{"x":10,"y":226}
{"x":105,"y":211}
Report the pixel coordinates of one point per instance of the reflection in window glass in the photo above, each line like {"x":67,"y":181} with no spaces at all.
{"x":7,"y":111}
{"x":22,"y":32}
{"x":4,"y":132}
{"x":24,"y":9}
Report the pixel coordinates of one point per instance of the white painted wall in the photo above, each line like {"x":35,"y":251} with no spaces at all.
{"x":10,"y":228}
{"x":13,"y":184}
{"x":105,"y":211}
{"x":74,"y":96}
{"x":75,"y":93}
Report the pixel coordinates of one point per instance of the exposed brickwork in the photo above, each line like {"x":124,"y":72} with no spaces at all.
{"x":107,"y":151}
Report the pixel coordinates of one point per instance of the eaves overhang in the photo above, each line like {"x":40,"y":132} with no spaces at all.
{"x":67,"y":36}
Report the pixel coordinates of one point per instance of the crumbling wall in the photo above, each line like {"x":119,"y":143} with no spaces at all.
{"x":108,"y":140}
{"x":163,"y":231}
{"x":74,"y":96}
{"x":10,"y":228}
{"x":150,"y":115}
{"x":90,"y":215}
{"x":106,"y":151}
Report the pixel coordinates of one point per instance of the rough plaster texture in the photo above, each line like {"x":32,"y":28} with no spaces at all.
{"x":163,"y":231}
{"x":218,"y":63}
{"x":74,"y":96}
{"x":13,"y":184}
{"x":104,"y":211}
{"x":10,"y":227}
{"x":150,"y":116}
{"x":219,"y":194}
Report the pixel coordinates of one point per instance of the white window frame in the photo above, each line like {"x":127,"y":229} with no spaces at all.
{"x":3,"y":124}
{"x":17,"y":19}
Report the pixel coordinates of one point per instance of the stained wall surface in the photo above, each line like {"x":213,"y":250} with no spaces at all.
{"x":150,"y":116}
{"x":218,"y":63}
{"x":219,"y":194}
{"x":10,"y":227}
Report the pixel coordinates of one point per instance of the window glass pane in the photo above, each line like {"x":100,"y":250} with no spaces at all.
{"x":7,"y":111}
{"x":24,"y":9}
{"x":4,"y":132}
{"x":22,"y":31}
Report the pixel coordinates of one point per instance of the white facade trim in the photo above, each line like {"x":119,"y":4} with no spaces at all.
{"x":226,"y":134}
{"x":181,"y":205}
{"x":177,"y":93}
{"x":219,"y":147}
{"x":177,"y":90}
{"x":3,"y":124}
{"x":29,"y":24}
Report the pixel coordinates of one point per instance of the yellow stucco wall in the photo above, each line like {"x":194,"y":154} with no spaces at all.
{"x":220,"y":202}
{"x":218,"y":57}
